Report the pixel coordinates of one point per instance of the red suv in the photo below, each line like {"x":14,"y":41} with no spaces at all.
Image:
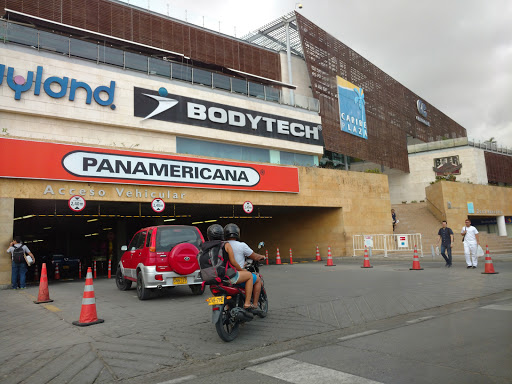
{"x":162,"y":256}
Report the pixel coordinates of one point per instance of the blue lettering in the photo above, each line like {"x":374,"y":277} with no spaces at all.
{"x":78,"y":84}
{"x":108,"y":90}
{"x":18,"y":88}
{"x":63,"y":86}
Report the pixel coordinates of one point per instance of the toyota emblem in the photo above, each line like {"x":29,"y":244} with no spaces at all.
{"x":187,"y":258}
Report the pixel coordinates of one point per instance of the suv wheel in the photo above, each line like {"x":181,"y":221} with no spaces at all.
{"x":143,"y":293}
{"x":121,"y":282}
{"x":197,"y":289}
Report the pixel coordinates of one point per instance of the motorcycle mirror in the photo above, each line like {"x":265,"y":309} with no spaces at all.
{"x":261,"y":245}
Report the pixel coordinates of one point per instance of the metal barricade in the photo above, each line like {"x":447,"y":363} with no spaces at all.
{"x":388,"y":243}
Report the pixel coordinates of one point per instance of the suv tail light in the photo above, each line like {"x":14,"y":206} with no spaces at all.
{"x":152,"y":249}
{"x":159,"y":277}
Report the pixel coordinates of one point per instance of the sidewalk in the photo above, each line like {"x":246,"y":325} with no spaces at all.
{"x":174,"y":329}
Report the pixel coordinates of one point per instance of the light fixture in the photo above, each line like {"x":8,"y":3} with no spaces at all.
{"x":210,"y":221}
{"x":298,"y":5}
{"x":169,"y":219}
{"x":106,"y":229}
{"x":47,"y":228}
{"x":91,"y":234}
{"x":92,"y":220}
{"x":198,"y":222}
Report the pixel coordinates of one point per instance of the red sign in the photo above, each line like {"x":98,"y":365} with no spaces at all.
{"x":76,"y":203}
{"x":50,"y":161}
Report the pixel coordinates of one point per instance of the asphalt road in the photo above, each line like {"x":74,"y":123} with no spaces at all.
{"x":171,"y":339}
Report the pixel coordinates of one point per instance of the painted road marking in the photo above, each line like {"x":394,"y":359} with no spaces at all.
{"x":179,"y":380}
{"x":51,"y":308}
{"x":419,"y":320}
{"x":294,"y":371}
{"x":371,"y":332}
{"x":499,"y":307}
{"x":272,"y":357}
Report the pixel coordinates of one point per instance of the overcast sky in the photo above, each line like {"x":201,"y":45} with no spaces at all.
{"x":455,"y":54}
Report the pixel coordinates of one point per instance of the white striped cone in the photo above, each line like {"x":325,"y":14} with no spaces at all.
{"x":95,"y":269}
{"x":366,"y":262}
{"x":109,"y":269}
{"x":415,"y":261}
{"x":489,"y":266}
{"x":318,"y":258}
{"x":266,"y":257}
{"x":291,"y":256}
{"x":278,"y":258}
{"x":329,"y":258}
{"x":57,"y":273}
{"x":88,"y":314}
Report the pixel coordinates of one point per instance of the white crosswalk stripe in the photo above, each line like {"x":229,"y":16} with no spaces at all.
{"x":499,"y":307}
{"x":298,"y":372}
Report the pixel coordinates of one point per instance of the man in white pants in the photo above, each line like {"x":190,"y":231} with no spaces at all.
{"x":471,"y":242}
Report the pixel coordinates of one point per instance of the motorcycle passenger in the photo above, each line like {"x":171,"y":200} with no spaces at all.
{"x":240,"y":252}
{"x":215,"y":234}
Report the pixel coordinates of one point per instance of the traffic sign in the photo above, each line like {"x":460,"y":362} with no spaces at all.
{"x":158,"y":205}
{"x":76,"y":203}
{"x":248,"y":207}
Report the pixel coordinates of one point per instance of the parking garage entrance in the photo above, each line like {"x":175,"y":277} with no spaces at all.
{"x":57,"y":235}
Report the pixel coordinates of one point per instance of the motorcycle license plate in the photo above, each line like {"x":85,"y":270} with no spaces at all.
{"x":179,"y":280}
{"x":215,"y":300}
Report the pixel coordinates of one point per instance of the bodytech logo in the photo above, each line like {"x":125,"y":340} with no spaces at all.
{"x":179,"y":109}
{"x":56,"y":87}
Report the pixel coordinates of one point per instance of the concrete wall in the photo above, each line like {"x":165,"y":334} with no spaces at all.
{"x":487,"y":200}
{"x":411,"y":186}
{"x":300,"y":77}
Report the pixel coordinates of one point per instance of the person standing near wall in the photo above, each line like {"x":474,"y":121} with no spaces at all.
{"x":446,"y":240}
{"x":19,"y":265}
{"x":471,"y":242}
{"x":395,"y":220}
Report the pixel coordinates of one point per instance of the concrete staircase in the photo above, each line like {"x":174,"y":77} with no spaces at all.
{"x":416,"y":218}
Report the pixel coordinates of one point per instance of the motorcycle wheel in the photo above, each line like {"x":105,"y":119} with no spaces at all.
{"x":263,"y":303}
{"x":226,"y":328}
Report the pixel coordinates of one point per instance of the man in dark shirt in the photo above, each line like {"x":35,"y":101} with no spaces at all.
{"x":446,"y":240}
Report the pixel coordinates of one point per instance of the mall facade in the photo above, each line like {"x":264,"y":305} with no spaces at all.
{"x":113,"y":118}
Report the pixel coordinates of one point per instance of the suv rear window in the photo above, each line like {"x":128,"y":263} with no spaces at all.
{"x":168,"y":237}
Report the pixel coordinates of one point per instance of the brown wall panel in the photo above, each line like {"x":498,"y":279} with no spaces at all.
{"x":390,"y":107}
{"x":499,"y":167}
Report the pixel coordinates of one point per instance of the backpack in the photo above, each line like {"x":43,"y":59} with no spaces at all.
{"x":213,"y":263}
{"x":18,"y":255}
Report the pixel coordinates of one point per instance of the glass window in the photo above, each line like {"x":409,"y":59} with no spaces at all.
{"x":272,"y":94}
{"x":21,"y":35}
{"x":289,"y":158}
{"x":181,"y":72}
{"x":239,"y":86}
{"x":109,"y":55}
{"x":148,"y":239}
{"x":221,"y":150}
{"x":159,"y":67}
{"x":53,"y":42}
{"x":168,"y":237}
{"x":256,"y":90}
{"x":141,"y":240}
{"x":134,"y":242}
{"x":202,"y":77}
{"x":135,"y":61}
{"x":84,"y":49}
{"x":221,"y":82}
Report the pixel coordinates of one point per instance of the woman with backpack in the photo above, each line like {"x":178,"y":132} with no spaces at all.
{"x":19,"y":264}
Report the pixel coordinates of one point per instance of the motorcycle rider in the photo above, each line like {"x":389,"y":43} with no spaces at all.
{"x":215,"y":234}
{"x":240,"y":252}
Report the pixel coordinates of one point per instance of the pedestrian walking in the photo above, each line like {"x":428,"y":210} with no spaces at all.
{"x":394,"y":219}
{"x":471,"y":242}
{"x":446,"y":239}
{"x":18,"y":252}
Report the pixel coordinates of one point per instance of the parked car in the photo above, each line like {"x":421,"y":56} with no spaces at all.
{"x":68,"y":265}
{"x":159,"y":257}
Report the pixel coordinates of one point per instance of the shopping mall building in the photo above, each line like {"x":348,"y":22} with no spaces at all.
{"x":105,"y":107}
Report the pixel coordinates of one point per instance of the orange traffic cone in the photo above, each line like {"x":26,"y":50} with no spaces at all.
{"x":266,"y":257}
{"x":489,"y":267}
{"x":415,"y":261}
{"x":88,"y":314}
{"x":329,"y":258}
{"x":80,"y":269}
{"x":44,"y":295}
{"x":366,"y":263}
{"x":278,"y":258}
{"x":57,"y":273}
{"x":291,"y":256}
{"x":318,"y":258}
{"x":109,"y":269}
{"x":94,"y":269}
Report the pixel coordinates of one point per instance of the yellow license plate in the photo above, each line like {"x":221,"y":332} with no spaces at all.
{"x":179,"y":280}
{"x":65,"y":267}
{"x":215,"y":300}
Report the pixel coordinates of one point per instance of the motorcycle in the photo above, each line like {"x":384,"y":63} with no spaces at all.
{"x":228,"y":305}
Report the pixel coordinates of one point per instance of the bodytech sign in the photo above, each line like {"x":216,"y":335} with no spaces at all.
{"x":185,"y":110}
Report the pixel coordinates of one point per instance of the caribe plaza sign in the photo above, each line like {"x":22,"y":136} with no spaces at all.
{"x":88,"y":164}
{"x":20,"y":84}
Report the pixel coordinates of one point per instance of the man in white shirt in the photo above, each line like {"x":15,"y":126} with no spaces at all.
{"x":471,"y":242}
{"x":241,"y":251}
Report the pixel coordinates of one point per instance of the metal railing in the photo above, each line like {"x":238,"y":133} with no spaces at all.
{"x":153,"y":66}
{"x":388,"y":243}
